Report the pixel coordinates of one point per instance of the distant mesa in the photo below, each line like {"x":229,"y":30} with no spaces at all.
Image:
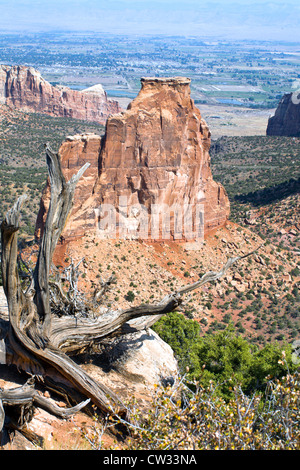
{"x":24,"y":88}
{"x":156,"y":153}
{"x":286,"y":120}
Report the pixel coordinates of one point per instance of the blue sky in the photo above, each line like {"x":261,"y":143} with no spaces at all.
{"x":240,"y":19}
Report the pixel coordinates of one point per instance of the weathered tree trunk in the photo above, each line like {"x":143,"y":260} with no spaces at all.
{"x":38,"y":340}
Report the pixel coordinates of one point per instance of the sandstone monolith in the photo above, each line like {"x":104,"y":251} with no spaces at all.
{"x":153,"y":159}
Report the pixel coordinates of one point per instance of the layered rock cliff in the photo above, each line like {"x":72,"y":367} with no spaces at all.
{"x":286,"y":120}
{"x":153,"y":157}
{"x":24,"y":88}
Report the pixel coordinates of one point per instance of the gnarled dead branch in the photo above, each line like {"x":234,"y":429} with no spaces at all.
{"x":47,"y":323}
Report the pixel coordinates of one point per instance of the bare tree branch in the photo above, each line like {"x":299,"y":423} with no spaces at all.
{"x":173,"y":300}
{"x":61,"y":203}
{"x":26,"y":395}
{"x":48,"y":322}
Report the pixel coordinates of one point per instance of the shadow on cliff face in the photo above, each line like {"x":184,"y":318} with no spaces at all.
{"x":275,"y":193}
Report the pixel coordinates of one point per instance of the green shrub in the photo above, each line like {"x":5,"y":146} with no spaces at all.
{"x":222,"y":355}
{"x":130,"y":296}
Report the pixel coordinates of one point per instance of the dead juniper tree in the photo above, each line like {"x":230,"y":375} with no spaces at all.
{"x":45,"y":326}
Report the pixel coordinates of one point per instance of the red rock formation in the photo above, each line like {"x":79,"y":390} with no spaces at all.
{"x":75,"y":152}
{"x":286,"y":121}
{"x":155,"y":153}
{"x":24,"y":88}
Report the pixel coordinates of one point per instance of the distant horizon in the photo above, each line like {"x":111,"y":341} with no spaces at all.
{"x":204,"y":38}
{"x":208,"y":39}
{"x":268,"y":20}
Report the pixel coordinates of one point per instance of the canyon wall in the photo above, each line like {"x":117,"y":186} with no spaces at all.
{"x":286,"y":120}
{"x":24,"y":88}
{"x":153,"y":156}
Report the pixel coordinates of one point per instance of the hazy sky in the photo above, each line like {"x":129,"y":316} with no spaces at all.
{"x":243,"y":19}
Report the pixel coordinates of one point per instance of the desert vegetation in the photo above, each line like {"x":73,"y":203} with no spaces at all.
{"x":257,"y":171}
{"x":224,"y":357}
{"x":229,"y":395}
{"x":197,"y":417}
